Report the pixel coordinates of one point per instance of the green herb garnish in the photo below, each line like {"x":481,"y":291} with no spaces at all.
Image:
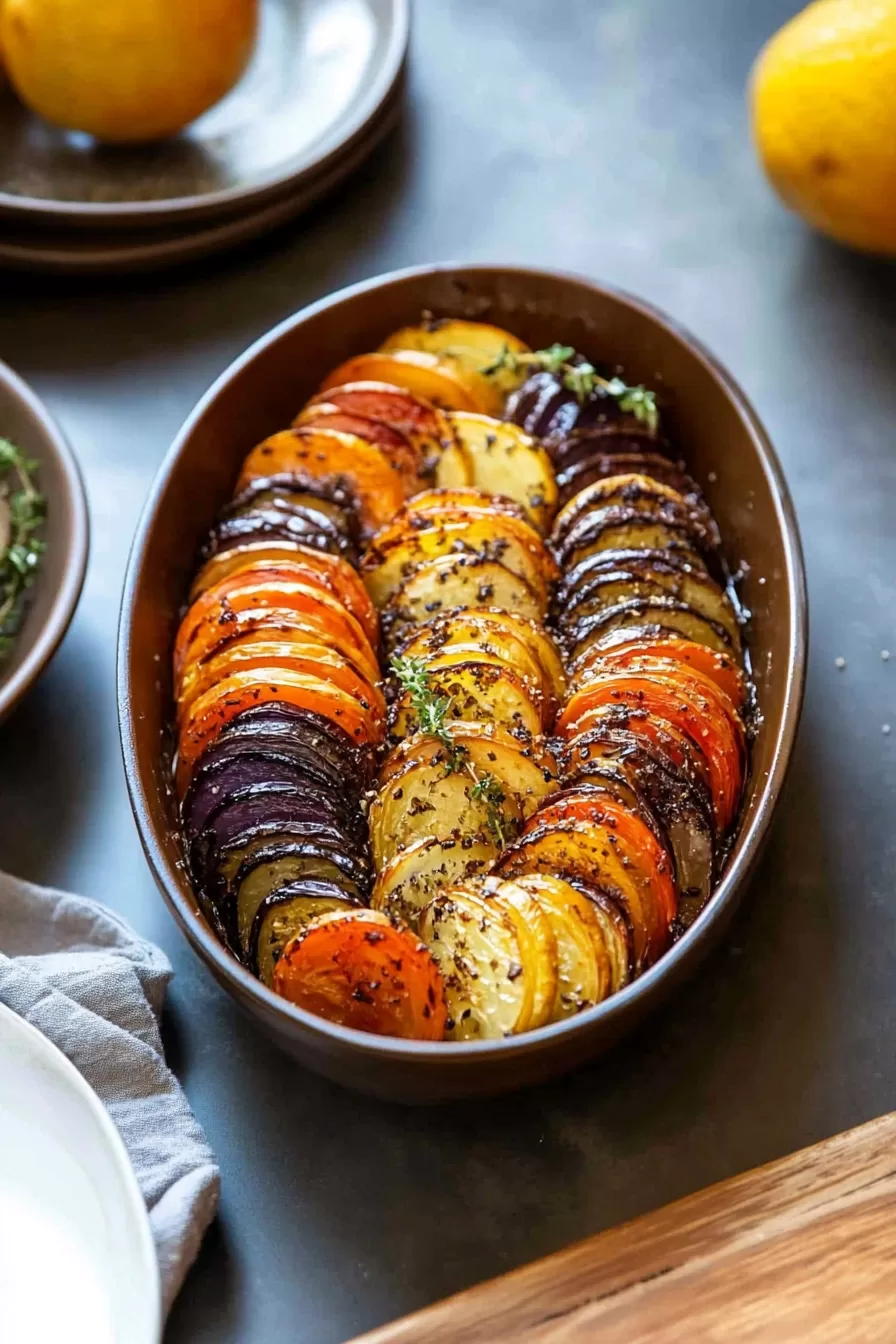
{"x":582,"y":379}
{"x":22,"y":513}
{"x":431,"y":710}
{"x":490,"y":792}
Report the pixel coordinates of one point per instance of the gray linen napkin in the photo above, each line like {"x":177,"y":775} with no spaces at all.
{"x":82,"y":976}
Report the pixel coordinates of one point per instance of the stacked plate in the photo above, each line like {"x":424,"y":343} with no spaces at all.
{"x":324,"y":87}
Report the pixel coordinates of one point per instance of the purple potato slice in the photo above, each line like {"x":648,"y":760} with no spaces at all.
{"x":608,"y":440}
{"x":674,"y":794}
{"x":656,"y":613}
{"x":300,"y":746}
{"x":527,"y":404}
{"x":607,"y":587}
{"x":310,"y":732}
{"x":275,"y":525}
{"x":248,"y":778}
{"x":271,"y":809}
{"x":545,"y":407}
{"x":598,"y":466}
{"x":285,"y":912}
{"x":270,"y":867}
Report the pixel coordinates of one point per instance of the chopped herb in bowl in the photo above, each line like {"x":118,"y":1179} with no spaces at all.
{"x":22,"y":513}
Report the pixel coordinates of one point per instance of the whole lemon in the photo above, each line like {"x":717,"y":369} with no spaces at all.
{"x":125,"y":70}
{"x":824,"y":118}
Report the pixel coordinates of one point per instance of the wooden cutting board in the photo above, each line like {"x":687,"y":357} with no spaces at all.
{"x":802,"y":1249}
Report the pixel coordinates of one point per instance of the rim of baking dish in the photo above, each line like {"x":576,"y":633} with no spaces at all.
{"x":749,"y":840}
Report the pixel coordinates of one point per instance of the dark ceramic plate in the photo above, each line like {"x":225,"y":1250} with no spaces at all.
{"x":52,"y":600}
{"x":78,"y":252}
{"x":321,"y":72}
{"x":728,"y":452}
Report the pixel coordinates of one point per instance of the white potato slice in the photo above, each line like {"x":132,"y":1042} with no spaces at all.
{"x":448,"y":583}
{"x":526,"y":771}
{"x":478,"y":948}
{"x":424,"y":801}
{"x":506,"y":461}
{"x":584,"y":971}
{"x":484,"y":690}
{"x":477,"y":346}
{"x":537,"y":938}
{"x":418,"y":873}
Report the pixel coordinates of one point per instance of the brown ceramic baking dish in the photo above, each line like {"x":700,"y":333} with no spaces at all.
{"x":728,"y":452}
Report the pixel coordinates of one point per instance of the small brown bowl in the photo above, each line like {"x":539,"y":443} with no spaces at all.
{"x":728,"y":452}
{"x":53,"y":598}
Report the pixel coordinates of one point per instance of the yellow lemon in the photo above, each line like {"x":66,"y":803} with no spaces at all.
{"x":824,"y":118}
{"x":125,"y":70}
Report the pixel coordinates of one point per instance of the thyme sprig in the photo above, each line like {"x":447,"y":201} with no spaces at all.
{"x":488,"y":790}
{"x":431,"y":710}
{"x":582,"y":379}
{"x":22,"y":513}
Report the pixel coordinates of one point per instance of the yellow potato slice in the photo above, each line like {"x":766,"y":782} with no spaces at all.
{"x":683,"y":624}
{"x":482,"y":954}
{"x":525,"y":771}
{"x":464,"y":500}
{"x":583,"y":850}
{"x":397,"y":552}
{"x":422,"y":801}
{"x":588,"y":969}
{"x":539,"y":641}
{"x":506,"y":461}
{"x":523,"y":667}
{"x":426,"y":867}
{"x":477,"y":345}
{"x":617,"y":938}
{"x":447,"y":584}
{"x":455,"y":465}
{"x":632,"y":536}
{"x":537,"y":939}
{"x":697,"y":590}
{"x":484,"y":690}
{"x":524,"y":644}
{"x":474,"y":636}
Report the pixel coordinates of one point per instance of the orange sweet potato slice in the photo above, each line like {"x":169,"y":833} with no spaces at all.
{"x":360,"y":970}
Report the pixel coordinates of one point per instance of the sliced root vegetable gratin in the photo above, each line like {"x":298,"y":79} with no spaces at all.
{"x":461,"y":694}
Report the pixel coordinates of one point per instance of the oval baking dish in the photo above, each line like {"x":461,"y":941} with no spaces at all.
{"x":726,"y":450}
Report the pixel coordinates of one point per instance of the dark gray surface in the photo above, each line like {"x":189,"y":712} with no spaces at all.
{"x":609,"y":138}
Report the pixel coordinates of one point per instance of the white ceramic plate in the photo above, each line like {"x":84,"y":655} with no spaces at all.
{"x":77,"y":1261}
